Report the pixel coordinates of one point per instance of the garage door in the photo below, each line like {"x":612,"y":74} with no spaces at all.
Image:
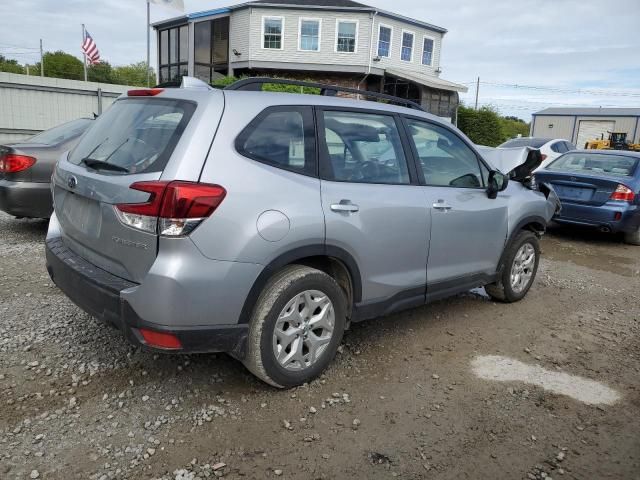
{"x":592,"y":129}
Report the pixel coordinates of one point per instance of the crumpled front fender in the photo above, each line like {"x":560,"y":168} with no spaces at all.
{"x":553,"y":202}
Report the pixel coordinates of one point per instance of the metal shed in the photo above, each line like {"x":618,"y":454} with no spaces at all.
{"x":582,"y":124}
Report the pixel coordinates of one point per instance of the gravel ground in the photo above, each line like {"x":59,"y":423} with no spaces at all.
{"x":401,"y":399}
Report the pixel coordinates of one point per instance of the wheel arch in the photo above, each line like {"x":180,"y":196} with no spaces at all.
{"x":532,"y":223}
{"x":335,"y":261}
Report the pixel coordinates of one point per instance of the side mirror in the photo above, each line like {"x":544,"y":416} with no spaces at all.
{"x":497,"y":183}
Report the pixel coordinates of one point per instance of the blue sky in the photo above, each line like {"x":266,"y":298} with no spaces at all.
{"x":590,"y":50}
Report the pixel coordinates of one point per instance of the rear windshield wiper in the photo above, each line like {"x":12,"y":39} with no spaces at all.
{"x":102,"y":165}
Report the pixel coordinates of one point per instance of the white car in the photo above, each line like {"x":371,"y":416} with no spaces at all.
{"x":551,"y":148}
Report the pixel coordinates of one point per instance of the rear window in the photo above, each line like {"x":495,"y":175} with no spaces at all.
{"x":137,"y":135}
{"x":524,"y":142}
{"x":61,"y":133}
{"x":594,"y":164}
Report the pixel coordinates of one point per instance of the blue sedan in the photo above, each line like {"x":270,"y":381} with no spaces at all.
{"x":598,"y":188}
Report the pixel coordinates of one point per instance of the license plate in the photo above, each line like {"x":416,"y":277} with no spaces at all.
{"x":574,"y":193}
{"x":82,"y":214}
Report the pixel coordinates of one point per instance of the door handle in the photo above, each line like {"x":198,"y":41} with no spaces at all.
{"x":344,"y":206}
{"x":441,"y":205}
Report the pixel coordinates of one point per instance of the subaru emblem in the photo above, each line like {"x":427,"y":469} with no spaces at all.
{"x":72,"y":182}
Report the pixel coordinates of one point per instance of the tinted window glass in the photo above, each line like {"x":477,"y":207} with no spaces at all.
{"x":596,"y":164}
{"x":364,"y":148}
{"x":445,"y":159}
{"x":570,"y":146}
{"x":282,"y":137}
{"x":559,"y":147}
{"x":61,"y":133}
{"x":135,"y":134}
{"x":524,"y":142}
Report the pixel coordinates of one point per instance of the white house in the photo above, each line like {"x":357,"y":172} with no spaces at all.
{"x":332,"y":41}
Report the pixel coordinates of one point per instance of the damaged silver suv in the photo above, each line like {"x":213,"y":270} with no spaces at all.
{"x":262,"y":224}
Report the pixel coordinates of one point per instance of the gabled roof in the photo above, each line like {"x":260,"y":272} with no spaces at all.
{"x":591,"y":112}
{"x":335,"y":5}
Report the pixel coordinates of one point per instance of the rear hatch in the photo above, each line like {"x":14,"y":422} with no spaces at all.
{"x":139,"y":139}
{"x":588,"y":178}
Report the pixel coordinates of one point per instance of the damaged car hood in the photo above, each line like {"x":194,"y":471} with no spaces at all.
{"x":519,"y":163}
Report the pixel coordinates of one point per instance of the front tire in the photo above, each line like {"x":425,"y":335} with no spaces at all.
{"x":296,"y":327}
{"x":518,"y":270}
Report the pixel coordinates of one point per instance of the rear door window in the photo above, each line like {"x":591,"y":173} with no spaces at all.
{"x":135,"y":135}
{"x":363,"y":148}
{"x":282,"y":137}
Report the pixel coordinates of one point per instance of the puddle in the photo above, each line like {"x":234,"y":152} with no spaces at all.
{"x":504,"y":369}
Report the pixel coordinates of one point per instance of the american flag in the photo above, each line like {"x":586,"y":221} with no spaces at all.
{"x":90,"y":49}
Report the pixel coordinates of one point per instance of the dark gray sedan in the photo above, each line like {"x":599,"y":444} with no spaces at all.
{"x":26,"y":168}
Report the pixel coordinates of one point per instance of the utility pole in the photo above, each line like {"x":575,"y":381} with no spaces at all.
{"x":477,"y":90}
{"x":85,"y":55}
{"x":148,"y":44}
{"x":41,"y":60}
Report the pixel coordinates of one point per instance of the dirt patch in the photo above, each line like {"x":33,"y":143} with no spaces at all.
{"x":401,"y":399}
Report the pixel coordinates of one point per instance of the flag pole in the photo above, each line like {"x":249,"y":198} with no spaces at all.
{"x":148,"y":44}
{"x":84,"y":54}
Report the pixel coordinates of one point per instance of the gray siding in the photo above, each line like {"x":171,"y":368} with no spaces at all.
{"x":30,"y":104}
{"x":563,"y":126}
{"x":246,"y":37}
{"x":239,"y":35}
{"x":327,"y":53}
{"x":396,"y":42}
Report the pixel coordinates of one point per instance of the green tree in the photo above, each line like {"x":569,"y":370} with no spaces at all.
{"x":133,"y":74}
{"x":269,"y":87}
{"x":11,"y":66}
{"x":511,"y":127}
{"x":60,"y":65}
{"x":481,"y":126}
{"x":101,"y":72}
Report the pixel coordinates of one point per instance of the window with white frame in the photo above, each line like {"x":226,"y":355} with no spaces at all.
{"x":272,"y":30}
{"x":406,"y":53}
{"x":346,"y":36}
{"x":384,"y":41}
{"x":427,"y":51}
{"x":309,"y":36}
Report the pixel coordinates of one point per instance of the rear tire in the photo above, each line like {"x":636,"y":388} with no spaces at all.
{"x":518,"y":270}
{"x":283,"y":347}
{"x":632,"y":238}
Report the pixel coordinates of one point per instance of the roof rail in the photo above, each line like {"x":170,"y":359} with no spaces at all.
{"x":256,"y":83}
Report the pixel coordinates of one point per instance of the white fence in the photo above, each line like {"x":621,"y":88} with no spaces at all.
{"x":31,"y":104}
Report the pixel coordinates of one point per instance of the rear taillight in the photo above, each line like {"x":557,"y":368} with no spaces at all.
{"x":544,"y":156}
{"x":13,"y":163}
{"x":622,"y":194}
{"x":173,"y":209}
{"x":145,"y":92}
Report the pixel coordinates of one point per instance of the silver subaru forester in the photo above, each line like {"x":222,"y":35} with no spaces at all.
{"x":262,"y":224}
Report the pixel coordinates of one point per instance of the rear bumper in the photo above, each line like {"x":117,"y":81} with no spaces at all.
{"x":26,"y":199}
{"x":99,"y":293}
{"x":601,"y":216}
